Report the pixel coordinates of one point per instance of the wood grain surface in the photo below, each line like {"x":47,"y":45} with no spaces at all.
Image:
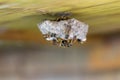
{"x":102,"y":16}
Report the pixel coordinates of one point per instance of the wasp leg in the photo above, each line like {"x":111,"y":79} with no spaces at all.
{"x":62,"y":18}
{"x":54,"y":41}
{"x":69,"y":43}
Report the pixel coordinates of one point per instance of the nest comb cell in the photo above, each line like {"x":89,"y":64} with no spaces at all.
{"x":64,"y":32}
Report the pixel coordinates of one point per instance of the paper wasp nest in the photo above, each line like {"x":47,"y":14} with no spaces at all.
{"x":64,"y":32}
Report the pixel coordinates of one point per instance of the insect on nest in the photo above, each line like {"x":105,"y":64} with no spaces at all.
{"x":64,"y":31}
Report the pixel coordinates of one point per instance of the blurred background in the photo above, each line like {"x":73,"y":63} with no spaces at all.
{"x":26,"y":55}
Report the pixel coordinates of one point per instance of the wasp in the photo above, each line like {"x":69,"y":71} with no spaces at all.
{"x":66,"y":41}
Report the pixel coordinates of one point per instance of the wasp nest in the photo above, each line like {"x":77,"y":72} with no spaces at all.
{"x":64,"y":32}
